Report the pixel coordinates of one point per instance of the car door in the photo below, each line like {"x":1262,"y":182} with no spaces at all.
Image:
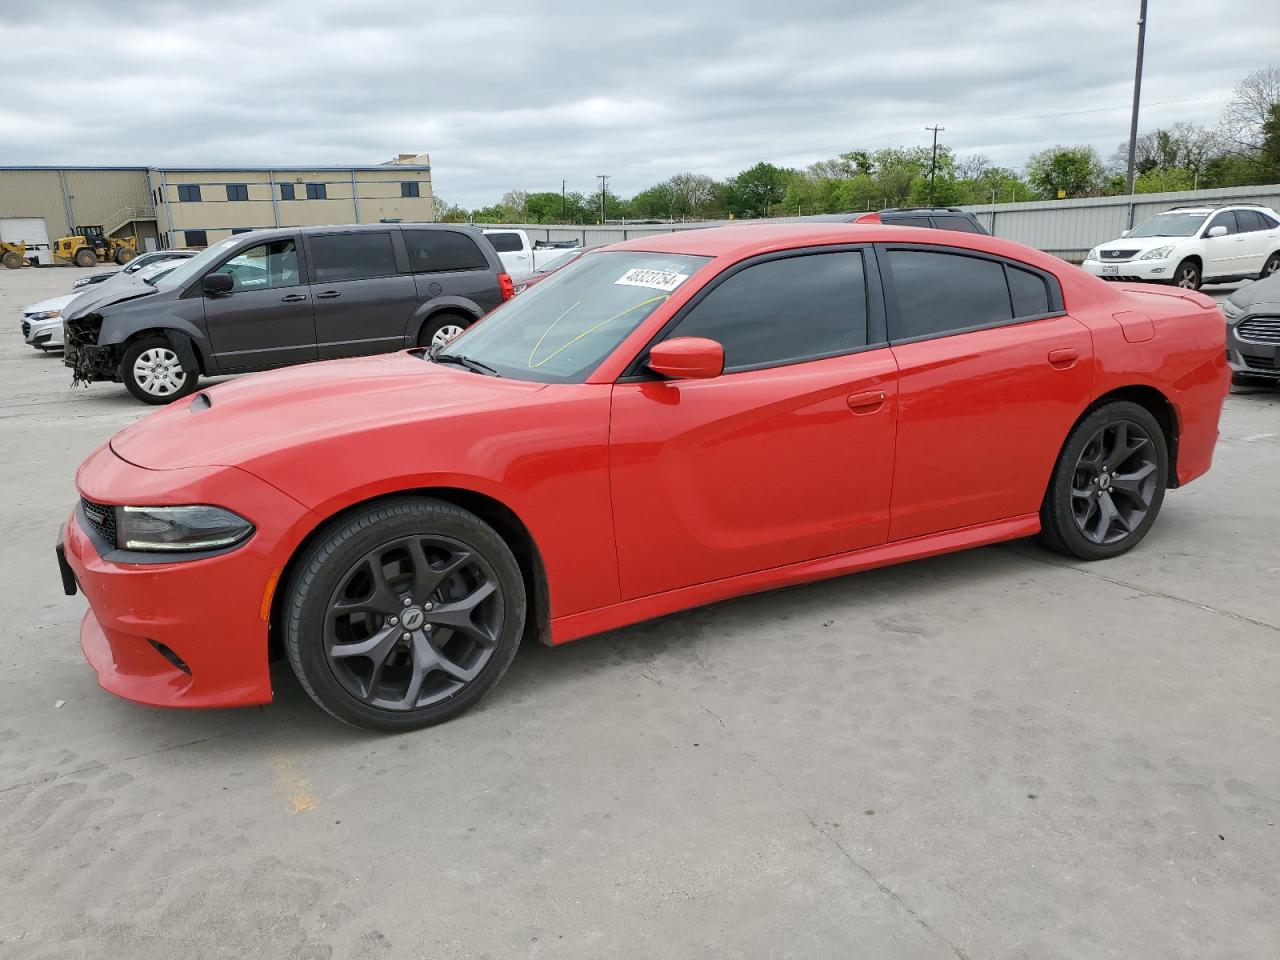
{"x":992,"y":373}
{"x":364,"y":293}
{"x":1255,"y":241}
{"x":785,"y":457}
{"x":1221,"y":253}
{"x":266,"y":319}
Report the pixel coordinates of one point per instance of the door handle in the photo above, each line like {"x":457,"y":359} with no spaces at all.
{"x":328,"y":295}
{"x":868,"y":402}
{"x":293,"y":298}
{"x":1064,"y":358}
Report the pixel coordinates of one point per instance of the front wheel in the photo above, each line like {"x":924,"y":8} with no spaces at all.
{"x":152,"y":372}
{"x":1108,"y":484}
{"x":11,"y":260}
{"x":404,"y":614}
{"x":86,"y":258}
{"x":1187,"y":275}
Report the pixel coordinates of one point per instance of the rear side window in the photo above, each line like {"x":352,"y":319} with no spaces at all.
{"x":505,"y":242}
{"x":940,"y":293}
{"x":906,"y":221}
{"x":785,"y":311}
{"x":1225,"y":219}
{"x":1269,"y":222}
{"x":1029,"y":292}
{"x":1250,"y":220}
{"x":434,"y":250}
{"x":352,"y":256}
{"x":962,"y":224}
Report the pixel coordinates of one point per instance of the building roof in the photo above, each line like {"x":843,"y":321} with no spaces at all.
{"x":246,"y":168}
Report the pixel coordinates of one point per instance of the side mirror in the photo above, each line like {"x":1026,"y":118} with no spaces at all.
{"x":1124,"y":233}
{"x":218,"y":284}
{"x":687,"y":358}
{"x":1218,"y":231}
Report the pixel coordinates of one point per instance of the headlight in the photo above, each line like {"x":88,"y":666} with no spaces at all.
{"x":45,"y":315}
{"x":1233,"y":311}
{"x":179,"y":528}
{"x":1159,"y":253}
{"x":1092,"y":254}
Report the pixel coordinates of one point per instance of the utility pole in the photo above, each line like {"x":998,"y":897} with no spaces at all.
{"x":933,"y":159}
{"x":564,"y":185}
{"x":604,"y":192}
{"x":1137,"y":97}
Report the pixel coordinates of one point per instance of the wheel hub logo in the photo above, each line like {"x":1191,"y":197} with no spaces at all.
{"x":413,"y":618}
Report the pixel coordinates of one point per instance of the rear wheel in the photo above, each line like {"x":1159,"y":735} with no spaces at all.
{"x":1271,"y":266}
{"x":404,"y":614}
{"x":442,"y":328}
{"x":152,"y":371}
{"x":86,"y":258}
{"x":11,"y":260}
{"x":1187,"y":275}
{"x":1108,"y":484}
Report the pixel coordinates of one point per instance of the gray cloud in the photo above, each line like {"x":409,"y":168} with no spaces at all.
{"x":519,"y":95}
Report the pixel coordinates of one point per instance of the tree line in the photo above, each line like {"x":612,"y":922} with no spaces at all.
{"x":1243,"y":149}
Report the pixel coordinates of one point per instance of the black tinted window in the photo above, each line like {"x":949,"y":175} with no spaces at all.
{"x":197,"y":238}
{"x":1249,"y":221}
{"x":1269,"y":223}
{"x":963,"y":224}
{"x":409,"y":188}
{"x":1225,"y":219}
{"x":505,"y":242}
{"x":1029,"y":292}
{"x":907,"y":221}
{"x":785,"y":310}
{"x":189,"y":193}
{"x":317,"y":191}
{"x":352,"y":256}
{"x":286,"y":191}
{"x":940,"y":293}
{"x":237,"y":191}
{"x":431,"y":250}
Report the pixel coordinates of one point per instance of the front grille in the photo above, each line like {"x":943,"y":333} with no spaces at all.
{"x":26,"y":329}
{"x":1260,"y":329}
{"x":102,"y":518}
{"x":1260,"y":363}
{"x":1117,"y":254}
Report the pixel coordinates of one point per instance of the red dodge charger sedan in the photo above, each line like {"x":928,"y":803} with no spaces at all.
{"x":667,"y":422}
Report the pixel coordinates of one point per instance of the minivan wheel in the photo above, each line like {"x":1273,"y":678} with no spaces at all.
{"x":442,"y":328}
{"x":1187,"y":275}
{"x":152,"y":371}
{"x":1108,"y":483}
{"x":403,"y":614}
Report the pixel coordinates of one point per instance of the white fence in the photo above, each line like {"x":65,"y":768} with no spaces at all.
{"x":1066,"y":228}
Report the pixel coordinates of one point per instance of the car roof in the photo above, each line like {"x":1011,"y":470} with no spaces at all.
{"x":268,"y":232}
{"x":746,"y":240}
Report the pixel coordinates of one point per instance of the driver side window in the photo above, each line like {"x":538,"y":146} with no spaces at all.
{"x":264,"y":266}
{"x":1225,"y":219}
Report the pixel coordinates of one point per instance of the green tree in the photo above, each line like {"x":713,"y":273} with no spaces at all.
{"x":757,"y":190}
{"x":1164,"y":180}
{"x":1270,"y":149}
{"x":1076,"y":171}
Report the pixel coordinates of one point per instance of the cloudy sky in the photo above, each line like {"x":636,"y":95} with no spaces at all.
{"x":519,"y":95}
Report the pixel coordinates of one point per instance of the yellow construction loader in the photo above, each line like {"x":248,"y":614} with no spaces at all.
{"x":89,"y":245}
{"x":13,"y":255}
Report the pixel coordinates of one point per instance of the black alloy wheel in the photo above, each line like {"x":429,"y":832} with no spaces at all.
{"x":1108,"y":484}
{"x":404,"y":614}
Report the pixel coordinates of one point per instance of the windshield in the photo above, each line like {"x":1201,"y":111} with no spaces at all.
{"x":189,"y":269}
{"x":1169,"y":225}
{"x":555,"y":263}
{"x":561,"y":329}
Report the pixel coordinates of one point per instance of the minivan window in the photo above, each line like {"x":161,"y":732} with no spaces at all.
{"x":188,"y":270}
{"x":962,"y":224}
{"x":432,"y":250}
{"x":784,"y":311}
{"x":941,"y":293}
{"x":505,"y":242}
{"x":264,"y":266}
{"x":907,"y":221}
{"x":352,"y":256}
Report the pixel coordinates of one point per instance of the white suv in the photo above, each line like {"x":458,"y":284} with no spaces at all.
{"x":1188,"y":246}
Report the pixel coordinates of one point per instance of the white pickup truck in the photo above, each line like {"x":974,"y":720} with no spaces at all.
{"x":522,"y":257}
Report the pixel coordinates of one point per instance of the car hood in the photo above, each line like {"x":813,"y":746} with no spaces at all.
{"x":1261,"y":294}
{"x":1141,"y":244}
{"x":53,"y":303}
{"x":235,"y":423}
{"x":116,"y":290}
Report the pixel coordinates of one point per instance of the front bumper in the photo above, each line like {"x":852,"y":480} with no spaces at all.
{"x":190,"y":633}
{"x":1149,"y":271}
{"x":1252,"y":357}
{"x":42,"y":333}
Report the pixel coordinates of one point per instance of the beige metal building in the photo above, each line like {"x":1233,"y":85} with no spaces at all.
{"x":197,"y":206}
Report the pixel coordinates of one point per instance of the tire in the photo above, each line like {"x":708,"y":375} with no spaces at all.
{"x":442,"y":325}
{"x":1187,"y":275}
{"x":11,"y":260}
{"x":152,"y":372}
{"x":1078,"y":500}
{"x":123,"y":255}
{"x":405,"y":675}
{"x":86,"y":258}
{"x":1272,"y":266}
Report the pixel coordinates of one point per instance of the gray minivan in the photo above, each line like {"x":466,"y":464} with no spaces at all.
{"x":269,"y":298}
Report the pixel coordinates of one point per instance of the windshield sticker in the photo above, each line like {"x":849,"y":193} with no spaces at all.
{"x":654,"y":279}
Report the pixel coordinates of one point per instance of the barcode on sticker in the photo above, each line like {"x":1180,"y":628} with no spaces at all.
{"x":655,"y":279}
